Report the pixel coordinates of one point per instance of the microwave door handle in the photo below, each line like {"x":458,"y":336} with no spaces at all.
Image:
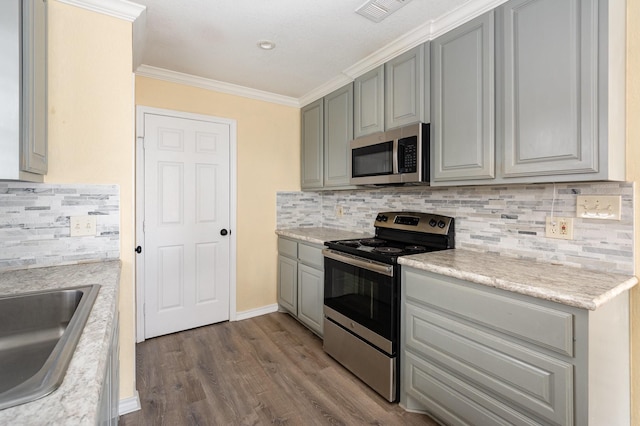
{"x":395,"y":156}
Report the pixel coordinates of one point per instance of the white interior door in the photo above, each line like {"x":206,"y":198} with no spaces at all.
{"x":186,"y":223}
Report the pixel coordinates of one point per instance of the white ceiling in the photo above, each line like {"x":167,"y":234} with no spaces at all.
{"x":319,"y":44}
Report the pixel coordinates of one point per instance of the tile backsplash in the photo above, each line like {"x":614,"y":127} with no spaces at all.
{"x":34,"y":224}
{"x":508,"y":219}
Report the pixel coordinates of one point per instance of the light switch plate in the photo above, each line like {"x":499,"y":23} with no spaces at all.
{"x":605,"y":207}
{"x":80,"y":226}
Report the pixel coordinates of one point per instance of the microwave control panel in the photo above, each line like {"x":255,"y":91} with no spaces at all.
{"x":408,"y":154}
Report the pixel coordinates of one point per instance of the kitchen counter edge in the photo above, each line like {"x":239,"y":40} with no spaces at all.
{"x":319,"y":235}
{"x":571,"y":286}
{"x":77,"y":399}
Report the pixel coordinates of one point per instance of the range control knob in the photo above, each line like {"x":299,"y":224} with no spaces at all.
{"x":432,"y":223}
{"x":441,"y":224}
{"x":381,"y":218}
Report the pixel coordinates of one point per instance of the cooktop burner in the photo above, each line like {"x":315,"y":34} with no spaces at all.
{"x":401,"y":234}
{"x":390,"y":250}
{"x":372,"y":242}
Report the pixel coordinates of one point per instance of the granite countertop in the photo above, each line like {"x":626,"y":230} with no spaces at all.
{"x":76,"y":401}
{"x":570,"y":286}
{"x":320,"y":235}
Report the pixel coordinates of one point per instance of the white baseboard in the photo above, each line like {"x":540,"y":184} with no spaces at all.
{"x":129,"y":405}
{"x":256,"y":312}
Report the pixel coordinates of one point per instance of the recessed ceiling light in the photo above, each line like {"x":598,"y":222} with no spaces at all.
{"x":266,"y":44}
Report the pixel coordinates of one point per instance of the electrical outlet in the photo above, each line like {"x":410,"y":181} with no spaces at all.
{"x":599,"y":206}
{"x":339,"y":211}
{"x":559,"y":227}
{"x":82,"y":225}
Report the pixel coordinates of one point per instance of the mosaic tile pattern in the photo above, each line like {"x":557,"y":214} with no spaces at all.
{"x":508,"y":220}
{"x":34,"y":224}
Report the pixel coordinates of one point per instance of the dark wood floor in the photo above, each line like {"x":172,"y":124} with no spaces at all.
{"x":264,"y":370}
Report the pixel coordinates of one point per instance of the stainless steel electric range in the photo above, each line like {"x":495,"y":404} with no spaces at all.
{"x":362,"y":294}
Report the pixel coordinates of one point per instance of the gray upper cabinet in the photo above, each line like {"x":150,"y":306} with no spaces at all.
{"x":23,"y":90}
{"x":369,"y":102}
{"x":34,"y":87}
{"x":404,"y":88}
{"x":462,"y":102}
{"x":327,"y":128}
{"x":312,"y":124}
{"x":557,"y":111}
{"x":393,"y":94}
{"x":549,"y":76}
{"x":338,"y":131}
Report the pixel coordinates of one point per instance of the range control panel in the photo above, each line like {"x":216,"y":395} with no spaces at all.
{"x":415,"y":221}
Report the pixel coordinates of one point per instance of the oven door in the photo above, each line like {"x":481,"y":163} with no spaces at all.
{"x":362,"y":296}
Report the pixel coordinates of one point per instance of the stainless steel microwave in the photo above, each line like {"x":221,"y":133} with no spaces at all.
{"x":397,"y":156}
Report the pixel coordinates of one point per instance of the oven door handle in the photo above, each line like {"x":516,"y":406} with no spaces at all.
{"x":369,"y":265}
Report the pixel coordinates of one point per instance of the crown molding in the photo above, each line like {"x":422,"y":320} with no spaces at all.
{"x":218,"y":86}
{"x":328,"y":87}
{"x":121,"y":9}
{"x":459,"y":16}
{"x":427,"y":31}
{"x":398,"y":46}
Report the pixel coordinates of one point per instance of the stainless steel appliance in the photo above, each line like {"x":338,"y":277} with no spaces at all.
{"x":397,"y":156}
{"x":362,"y":293}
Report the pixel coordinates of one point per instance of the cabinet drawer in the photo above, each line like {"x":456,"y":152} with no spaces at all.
{"x":541,"y":325}
{"x":523,"y":378}
{"x":453,"y":401}
{"x":311,"y":255}
{"x":287,"y":248}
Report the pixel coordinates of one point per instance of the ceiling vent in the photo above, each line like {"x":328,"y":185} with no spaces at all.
{"x":377,"y":10}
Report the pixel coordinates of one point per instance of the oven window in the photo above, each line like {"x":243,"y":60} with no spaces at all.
{"x":364,"y":296}
{"x":372,"y":160}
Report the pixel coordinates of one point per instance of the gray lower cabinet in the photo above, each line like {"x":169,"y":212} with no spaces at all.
{"x":23,"y":90}
{"x":474,"y":355}
{"x":327,"y":128}
{"x":555,"y":113}
{"x":109,"y":396}
{"x":301,"y":282}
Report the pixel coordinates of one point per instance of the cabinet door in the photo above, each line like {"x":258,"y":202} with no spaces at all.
{"x":34,"y":87}
{"x":338,"y":131}
{"x":404,"y":88}
{"x":462,"y":102}
{"x":312,"y":145}
{"x":310,"y":297}
{"x":369,"y":103}
{"x":288,"y":284}
{"x":550,"y":120}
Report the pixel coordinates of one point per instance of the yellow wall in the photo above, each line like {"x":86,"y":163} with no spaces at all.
{"x":91,"y":128}
{"x":268,"y":160}
{"x":633,"y":174}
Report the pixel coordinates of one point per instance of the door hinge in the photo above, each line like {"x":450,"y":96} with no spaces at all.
{"x":143,"y":226}
{"x":144,"y":142}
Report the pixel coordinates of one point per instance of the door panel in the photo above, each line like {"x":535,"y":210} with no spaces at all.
{"x":462,"y":103}
{"x":186,"y":206}
{"x":550,"y":87}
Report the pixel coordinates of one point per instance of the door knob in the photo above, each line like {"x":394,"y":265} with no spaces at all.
{"x":224,"y":232}
{"x":138,"y":249}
